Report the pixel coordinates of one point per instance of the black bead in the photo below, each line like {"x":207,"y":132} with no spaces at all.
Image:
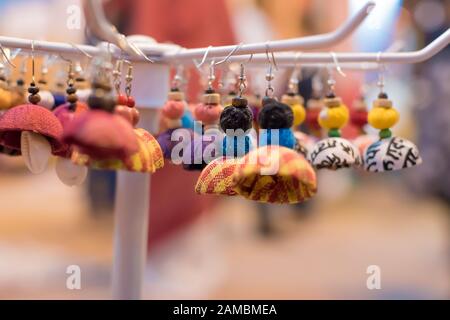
{"x":33,"y":90}
{"x":71,"y":90}
{"x":236,"y":118}
{"x":275,"y":115}
{"x":20,"y":82}
{"x":383,"y":95}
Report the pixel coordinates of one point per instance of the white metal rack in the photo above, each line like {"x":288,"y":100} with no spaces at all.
{"x":132,"y":207}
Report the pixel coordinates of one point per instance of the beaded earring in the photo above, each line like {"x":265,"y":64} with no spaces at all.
{"x":148,"y":156}
{"x":69,"y":173}
{"x":18,"y":90}
{"x":175,"y":115}
{"x":334,"y":152}
{"x":274,"y":172}
{"x":236,"y":122}
{"x":31,"y":129}
{"x":81,"y":84}
{"x":208,"y":112}
{"x":389,"y":152}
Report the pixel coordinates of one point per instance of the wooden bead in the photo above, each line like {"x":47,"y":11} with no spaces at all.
{"x":175,"y":95}
{"x":292,"y":99}
{"x":382,"y":103}
{"x":72,"y":98}
{"x":211,"y":98}
{"x":332,"y":102}
{"x":34,"y":98}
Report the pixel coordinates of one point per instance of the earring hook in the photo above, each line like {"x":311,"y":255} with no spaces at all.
{"x":128,"y":78}
{"x":336,"y":64}
{"x":205,"y":55}
{"x":32,"y":62}
{"x":235,"y":49}
{"x":381,"y":71}
{"x":5,"y":56}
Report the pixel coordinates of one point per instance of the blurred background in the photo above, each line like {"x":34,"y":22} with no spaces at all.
{"x":230,"y":248}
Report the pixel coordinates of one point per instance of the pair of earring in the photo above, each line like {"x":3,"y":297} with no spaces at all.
{"x":273,"y":172}
{"x":105,"y":137}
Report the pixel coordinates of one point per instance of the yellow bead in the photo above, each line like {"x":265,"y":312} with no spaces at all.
{"x":299,"y":114}
{"x":334,"y":117}
{"x":5,"y":99}
{"x":383,"y":118}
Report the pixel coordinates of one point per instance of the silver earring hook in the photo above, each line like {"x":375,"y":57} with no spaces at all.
{"x":81,"y":50}
{"x":5,"y":56}
{"x":211,"y":76}
{"x":336,"y":64}
{"x":32,"y":61}
{"x":271,"y":61}
{"x":235,"y":49}
{"x":205,"y":55}
{"x":381,"y":71}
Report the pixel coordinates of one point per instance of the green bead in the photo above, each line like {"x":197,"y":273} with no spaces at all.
{"x":385,"y":133}
{"x":334,"y":133}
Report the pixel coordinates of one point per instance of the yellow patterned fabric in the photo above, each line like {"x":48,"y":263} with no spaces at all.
{"x":217,"y":177}
{"x":275,"y":174}
{"x":148,"y":159}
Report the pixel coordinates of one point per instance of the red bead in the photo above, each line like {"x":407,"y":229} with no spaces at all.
{"x":131,"y":103}
{"x":122,"y":100}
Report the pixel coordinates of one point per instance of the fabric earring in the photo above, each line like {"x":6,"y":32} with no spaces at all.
{"x":31,"y":129}
{"x":389,"y":152}
{"x":147,"y":158}
{"x":274,"y":172}
{"x":207,"y":148}
{"x":334,"y":152}
{"x":175,"y":115}
{"x":236,"y":122}
{"x":69,"y":173}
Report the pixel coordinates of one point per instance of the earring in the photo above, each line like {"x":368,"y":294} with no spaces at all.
{"x":32,"y":129}
{"x":175,"y":115}
{"x":208,"y":112}
{"x":148,"y":156}
{"x":18,"y":90}
{"x":334,"y":152}
{"x":69,"y":173}
{"x":274,"y":172}
{"x":81,"y":84}
{"x":389,"y":152}
{"x":236,"y":122}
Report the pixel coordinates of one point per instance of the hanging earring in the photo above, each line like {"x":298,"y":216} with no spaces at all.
{"x":175,"y":116}
{"x":208,"y":112}
{"x":236,"y":122}
{"x":32,"y":129}
{"x":274,"y":172}
{"x":334,"y":152}
{"x":69,"y":173}
{"x":81,"y":84}
{"x":148,"y":158}
{"x":99,"y":133}
{"x":47,"y":100}
{"x":389,"y":152}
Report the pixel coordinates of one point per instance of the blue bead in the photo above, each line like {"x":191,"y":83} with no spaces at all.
{"x":187,"y":120}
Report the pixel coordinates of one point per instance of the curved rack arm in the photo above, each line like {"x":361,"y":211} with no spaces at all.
{"x":304,"y":43}
{"x":418,"y":56}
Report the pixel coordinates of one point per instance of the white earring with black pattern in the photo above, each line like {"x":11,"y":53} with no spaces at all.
{"x":334,"y":152}
{"x":390,"y":152}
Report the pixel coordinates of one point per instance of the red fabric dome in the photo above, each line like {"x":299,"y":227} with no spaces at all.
{"x":101,"y":135}
{"x":30,"y":117}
